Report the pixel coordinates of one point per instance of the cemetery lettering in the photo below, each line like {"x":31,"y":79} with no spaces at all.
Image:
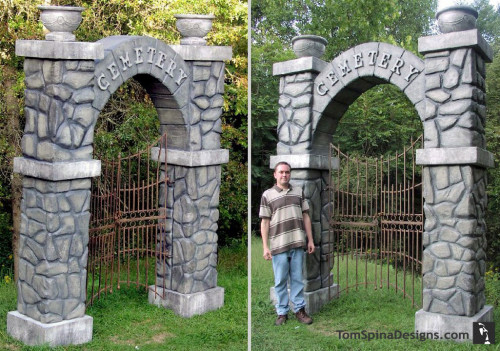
{"x":152,"y":56}
{"x":371,"y":58}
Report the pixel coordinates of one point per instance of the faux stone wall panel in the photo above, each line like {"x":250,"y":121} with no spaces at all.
{"x":454,"y":100}
{"x":193,"y":204}
{"x":53,"y":253}
{"x":454,"y":239}
{"x":294,"y":117}
{"x":316,"y":266}
{"x":205,"y":107}
{"x":60,"y":114}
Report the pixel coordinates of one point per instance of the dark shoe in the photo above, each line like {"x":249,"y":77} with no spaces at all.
{"x":282,"y":318}
{"x":303,"y":317}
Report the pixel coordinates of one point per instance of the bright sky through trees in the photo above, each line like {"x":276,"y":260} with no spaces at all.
{"x":447,"y":3}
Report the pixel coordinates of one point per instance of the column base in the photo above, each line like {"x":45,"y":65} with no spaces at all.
{"x":32,"y":332}
{"x":187,"y":305}
{"x":441,"y":324}
{"x":315,"y":300}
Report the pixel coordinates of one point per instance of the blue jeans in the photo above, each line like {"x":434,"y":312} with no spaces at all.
{"x":289,"y":264}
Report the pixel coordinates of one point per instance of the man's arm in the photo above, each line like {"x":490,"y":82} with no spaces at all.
{"x":264,"y":232}
{"x":308,"y":228}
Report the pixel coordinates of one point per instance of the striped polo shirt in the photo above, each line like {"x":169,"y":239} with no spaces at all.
{"x":284,"y":207}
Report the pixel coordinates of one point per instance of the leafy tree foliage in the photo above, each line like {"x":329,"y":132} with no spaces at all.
{"x":489,"y":25}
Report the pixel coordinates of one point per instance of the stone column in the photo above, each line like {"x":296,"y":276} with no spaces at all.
{"x":190,"y":277}
{"x":454,"y":180}
{"x":57,"y":166}
{"x":309,"y":170}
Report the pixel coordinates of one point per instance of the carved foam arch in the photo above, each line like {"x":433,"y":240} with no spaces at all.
{"x":355,"y":71}
{"x":157,"y":67}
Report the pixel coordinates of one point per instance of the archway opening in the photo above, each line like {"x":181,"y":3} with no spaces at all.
{"x":381,"y":121}
{"x":127,"y":123}
{"x":376,"y":195}
{"x":129,"y":241}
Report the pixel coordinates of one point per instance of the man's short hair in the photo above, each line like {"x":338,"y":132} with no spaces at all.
{"x":282,"y":163}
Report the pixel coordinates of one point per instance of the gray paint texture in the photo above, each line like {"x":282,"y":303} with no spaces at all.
{"x":67,"y":86}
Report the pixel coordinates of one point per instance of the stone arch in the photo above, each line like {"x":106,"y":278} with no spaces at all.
{"x":159,"y":69}
{"x":447,"y":89}
{"x":67,"y":85}
{"x":354,"y":72}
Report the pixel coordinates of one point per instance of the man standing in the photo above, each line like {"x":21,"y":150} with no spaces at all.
{"x":284,"y":214}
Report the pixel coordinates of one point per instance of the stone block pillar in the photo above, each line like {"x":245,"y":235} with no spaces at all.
{"x":190,"y":277}
{"x":309,"y":169}
{"x":57,"y":166}
{"x":454,"y":181}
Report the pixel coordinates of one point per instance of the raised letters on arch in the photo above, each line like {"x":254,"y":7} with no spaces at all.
{"x":380,"y":58}
{"x":167,"y":62}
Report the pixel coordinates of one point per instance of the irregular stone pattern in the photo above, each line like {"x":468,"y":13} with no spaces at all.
{"x":294,"y":118}
{"x":207,"y":89}
{"x":197,"y":126}
{"x":455,"y":110}
{"x":454,"y":239}
{"x":53,"y":252}
{"x":318,"y":265}
{"x":59,"y":115}
{"x":455,"y":197}
{"x":192,"y":203}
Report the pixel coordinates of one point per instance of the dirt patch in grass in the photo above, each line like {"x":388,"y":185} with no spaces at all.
{"x":158,"y":338}
{"x":9,"y":347}
{"x":327,"y":328}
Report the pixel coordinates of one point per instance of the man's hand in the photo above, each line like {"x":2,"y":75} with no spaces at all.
{"x":308,"y":228}
{"x":264,"y":230}
{"x":267,"y":254}
{"x":310,"y":247}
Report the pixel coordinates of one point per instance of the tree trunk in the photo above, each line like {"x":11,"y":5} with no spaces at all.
{"x":14,"y":136}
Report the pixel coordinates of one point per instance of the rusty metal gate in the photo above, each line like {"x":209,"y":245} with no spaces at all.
{"x":376,"y":222}
{"x":127,"y":231}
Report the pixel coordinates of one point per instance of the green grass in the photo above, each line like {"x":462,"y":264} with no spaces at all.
{"x":376,"y":311}
{"x":124,"y":320}
{"x":354,"y":273}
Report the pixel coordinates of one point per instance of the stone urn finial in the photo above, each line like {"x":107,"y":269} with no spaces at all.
{"x":456,"y":18}
{"x":61,"y":21}
{"x":193,"y":28}
{"x":309,"y":45}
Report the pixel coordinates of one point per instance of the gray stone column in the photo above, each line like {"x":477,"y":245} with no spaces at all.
{"x":309,"y":170}
{"x":57,"y":167}
{"x":454,"y":180}
{"x":190,"y":277}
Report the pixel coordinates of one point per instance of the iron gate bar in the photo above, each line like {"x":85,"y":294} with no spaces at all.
{"x":375,"y":217}
{"x":128,"y":221}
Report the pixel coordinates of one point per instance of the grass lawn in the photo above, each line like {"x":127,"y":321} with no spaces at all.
{"x":124,"y":320}
{"x":375,"y":311}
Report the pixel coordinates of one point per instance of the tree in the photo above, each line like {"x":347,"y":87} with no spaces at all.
{"x":489,"y":25}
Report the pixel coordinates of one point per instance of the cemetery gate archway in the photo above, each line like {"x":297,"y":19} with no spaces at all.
{"x":448,"y":91}
{"x":67,"y":85}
